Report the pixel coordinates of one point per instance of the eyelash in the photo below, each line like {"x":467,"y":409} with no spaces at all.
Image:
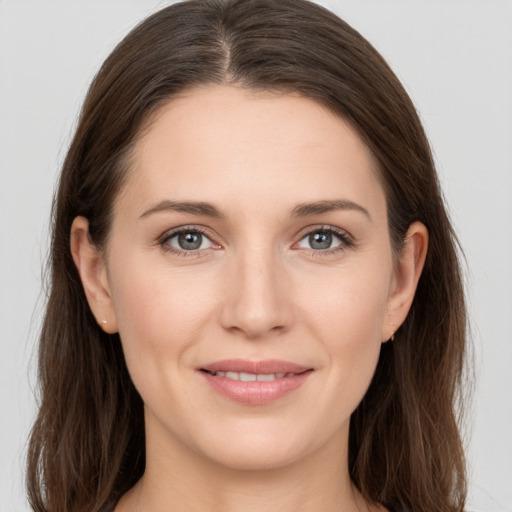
{"x":346,"y":240}
{"x":164,"y":241}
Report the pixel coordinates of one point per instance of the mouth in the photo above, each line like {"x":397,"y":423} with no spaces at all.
{"x":251,"y":377}
{"x":255,"y":382}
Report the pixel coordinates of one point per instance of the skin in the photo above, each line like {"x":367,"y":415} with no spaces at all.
{"x":256,"y":289}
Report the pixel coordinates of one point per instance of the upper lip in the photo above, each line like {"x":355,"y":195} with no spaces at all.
{"x":257,"y":367}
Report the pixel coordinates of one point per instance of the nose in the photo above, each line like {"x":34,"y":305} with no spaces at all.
{"x":257,"y":301}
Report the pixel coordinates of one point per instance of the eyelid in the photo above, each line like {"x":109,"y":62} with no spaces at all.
{"x":347,"y":240}
{"x":162,"y":240}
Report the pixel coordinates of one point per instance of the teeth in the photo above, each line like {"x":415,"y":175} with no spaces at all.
{"x":247,"y":377}
{"x":266,"y":376}
{"x":251,"y":377}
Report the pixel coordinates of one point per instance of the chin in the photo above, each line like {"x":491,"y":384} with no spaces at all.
{"x":257,"y":452}
{"x":255,"y":459}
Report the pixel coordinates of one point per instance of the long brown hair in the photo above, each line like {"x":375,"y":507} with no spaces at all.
{"x":87,"y":447}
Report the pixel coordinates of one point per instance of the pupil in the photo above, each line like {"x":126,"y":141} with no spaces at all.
{"x":190,"y":241}
{"x":320,"y":240}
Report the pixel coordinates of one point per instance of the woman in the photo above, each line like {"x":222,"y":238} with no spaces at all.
{"x":256,"y":302}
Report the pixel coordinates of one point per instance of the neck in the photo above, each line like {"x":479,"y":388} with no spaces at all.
{"x":178,"y":479}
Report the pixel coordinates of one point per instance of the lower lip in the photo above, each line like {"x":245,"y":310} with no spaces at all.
{"x":256,"y":392}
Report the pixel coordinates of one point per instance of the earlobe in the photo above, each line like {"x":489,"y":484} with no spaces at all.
{"x":90,"y":264}
{"x":409,"y":266}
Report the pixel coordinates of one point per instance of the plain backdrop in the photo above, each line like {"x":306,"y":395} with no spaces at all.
{"x":455,"y":59}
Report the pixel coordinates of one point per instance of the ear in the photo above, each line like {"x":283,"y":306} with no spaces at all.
{"x":91,"y":267}
{"x":408,"y":268}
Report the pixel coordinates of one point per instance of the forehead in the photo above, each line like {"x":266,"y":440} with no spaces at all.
{"x":226,"y":144}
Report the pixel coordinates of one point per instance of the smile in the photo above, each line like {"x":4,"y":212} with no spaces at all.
{"x":251,"y":377}
{"x":255,"y":382}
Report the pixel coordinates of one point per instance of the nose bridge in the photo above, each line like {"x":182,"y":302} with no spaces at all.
{"x":256,"y":303}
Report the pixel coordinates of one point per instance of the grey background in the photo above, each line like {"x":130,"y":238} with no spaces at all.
{"x":455,"y":59}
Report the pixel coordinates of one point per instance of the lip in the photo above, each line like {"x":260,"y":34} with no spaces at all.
{"x":255,"y":392}
{"x":267,"y":366}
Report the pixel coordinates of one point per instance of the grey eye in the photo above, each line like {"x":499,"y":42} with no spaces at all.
{"x":189,"y":241}
{"x":321,"y":240}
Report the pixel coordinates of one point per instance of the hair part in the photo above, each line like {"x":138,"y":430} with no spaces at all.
{"x":87,"y":447}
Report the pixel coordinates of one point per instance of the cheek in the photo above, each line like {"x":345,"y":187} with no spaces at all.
{"x":349,"y":304}
{"x":160,"y":314}
{"x":346,"y":317}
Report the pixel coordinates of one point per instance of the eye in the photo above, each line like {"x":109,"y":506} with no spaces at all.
{"x":325,"y":239}
{"x":187,"y":240}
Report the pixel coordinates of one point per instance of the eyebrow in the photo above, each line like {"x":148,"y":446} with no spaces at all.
{"x":208,"y":210}
{"x":193,"y":207}
{"x":305,"y":209}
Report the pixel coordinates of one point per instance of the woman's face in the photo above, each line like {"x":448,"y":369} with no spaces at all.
{"x":250,"y":275}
